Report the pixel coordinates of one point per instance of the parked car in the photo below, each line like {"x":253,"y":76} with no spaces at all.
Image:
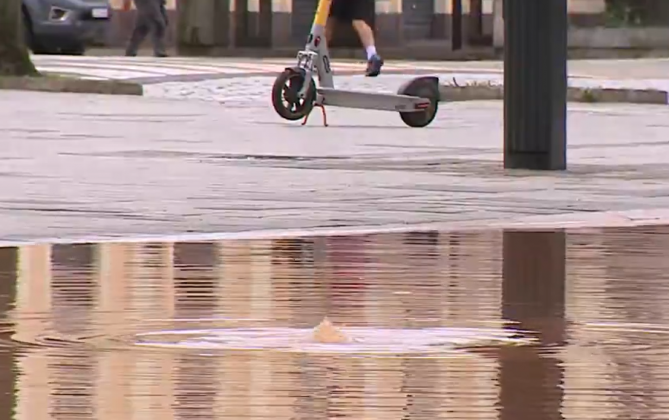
{"x":65,"y":26}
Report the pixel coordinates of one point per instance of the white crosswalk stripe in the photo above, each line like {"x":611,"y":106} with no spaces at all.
{"x":132,"y":68}
{"x":127,"y":68}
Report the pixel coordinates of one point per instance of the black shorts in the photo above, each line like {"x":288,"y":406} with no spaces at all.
{"x":348,"y":10}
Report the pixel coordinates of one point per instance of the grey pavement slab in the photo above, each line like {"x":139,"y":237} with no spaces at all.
{"x":155,"y":70}
{"x":245,"y":91}
{"x":77,"y":166}
{"x":637,"y":68}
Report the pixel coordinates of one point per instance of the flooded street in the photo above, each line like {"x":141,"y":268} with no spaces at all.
{"x":461,"y":325}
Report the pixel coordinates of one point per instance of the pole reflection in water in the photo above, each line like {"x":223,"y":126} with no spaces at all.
{"x":533,"y":296}
{"x":196,"y":285}
{"x":74,"y":291}
{"x":8,"y":368}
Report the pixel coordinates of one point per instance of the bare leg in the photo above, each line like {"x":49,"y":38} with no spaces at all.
{"x":329,"y":29}
{"x":374,"y":62}
{"x":364,"y":32}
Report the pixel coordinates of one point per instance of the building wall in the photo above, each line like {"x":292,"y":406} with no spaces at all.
{"x":248,"y":23}
{"x":124,"y":17}
{"x":283,"y":23}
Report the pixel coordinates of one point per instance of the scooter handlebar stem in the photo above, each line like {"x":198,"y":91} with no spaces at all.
{"x":322,"y":12}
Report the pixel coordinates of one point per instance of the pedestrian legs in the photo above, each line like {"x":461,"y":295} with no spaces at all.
{"x":151,"y":17}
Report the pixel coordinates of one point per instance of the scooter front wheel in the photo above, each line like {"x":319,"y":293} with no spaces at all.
{"x":285,"y":98}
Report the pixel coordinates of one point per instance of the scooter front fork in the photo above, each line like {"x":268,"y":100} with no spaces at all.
{"x":306,"y":62}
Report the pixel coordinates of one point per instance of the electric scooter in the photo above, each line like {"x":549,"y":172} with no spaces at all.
{"x":295,"y":95}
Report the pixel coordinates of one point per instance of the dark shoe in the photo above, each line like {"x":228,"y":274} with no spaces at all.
{"x":161,"y":54}
{"x":130,"y":54}
{"x":374,"y":65}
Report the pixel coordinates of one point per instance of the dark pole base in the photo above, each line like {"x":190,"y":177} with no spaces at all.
{"x":535,"y":84}
{"x":537,"y":161}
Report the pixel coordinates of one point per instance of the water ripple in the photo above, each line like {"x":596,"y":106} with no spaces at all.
{"x":424,"y":341}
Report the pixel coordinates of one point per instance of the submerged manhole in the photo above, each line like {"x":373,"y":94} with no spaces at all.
{"x":328,"y":339}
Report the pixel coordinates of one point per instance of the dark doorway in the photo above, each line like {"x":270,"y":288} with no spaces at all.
{"x":417,"y":16}
{"x":253,"y":28}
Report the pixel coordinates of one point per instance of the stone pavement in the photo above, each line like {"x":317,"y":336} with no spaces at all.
{"x":240,"y":80}
{"x":253,"y":90}
{"x":173,"y":69}
{"x":149,"y":70}
{"x":82,"y":166}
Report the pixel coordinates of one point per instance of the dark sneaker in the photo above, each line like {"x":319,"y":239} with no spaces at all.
{"x":161,"y":54}
{"x":374,"y":65}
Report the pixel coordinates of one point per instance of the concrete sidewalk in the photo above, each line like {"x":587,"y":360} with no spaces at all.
{"x":82,"y":166}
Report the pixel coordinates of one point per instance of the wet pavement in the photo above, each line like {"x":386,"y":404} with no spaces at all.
{"x":123,"y":166}
{"x":75,"y":322}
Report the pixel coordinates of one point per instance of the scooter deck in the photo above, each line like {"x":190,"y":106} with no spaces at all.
{"x":372,"y":100}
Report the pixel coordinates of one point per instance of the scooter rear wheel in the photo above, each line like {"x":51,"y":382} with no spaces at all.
{"x":285,"y":98}
{"x":422,"y":88}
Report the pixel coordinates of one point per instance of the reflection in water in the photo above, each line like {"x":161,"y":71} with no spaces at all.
{"x":7,"y":360}
{"x":195,"y":285}
{"x":596,"y":300}
{"x":533,"y":296}
{"x":73,"y":301}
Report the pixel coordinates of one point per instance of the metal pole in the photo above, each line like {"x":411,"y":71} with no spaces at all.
{"x":535,"y":84}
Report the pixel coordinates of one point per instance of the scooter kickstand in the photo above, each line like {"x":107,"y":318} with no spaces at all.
{"x":325,"y":117}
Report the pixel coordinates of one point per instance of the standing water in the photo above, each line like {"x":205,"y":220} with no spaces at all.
{"x":426,"y":325}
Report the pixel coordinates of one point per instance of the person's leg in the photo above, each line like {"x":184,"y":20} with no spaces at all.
{"x":366,"y":34}
{"x":366,"y":37}
{"x":337,"y":14}
{"x":163,"y":10}
{"x":158,"y":27}
{"x":141,"y":29}
{"x":329,"y":29}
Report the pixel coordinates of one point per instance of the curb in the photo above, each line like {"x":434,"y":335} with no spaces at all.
{"x":567,"y":221}
{"x":71,"y":85}
{"x":481,"y":92}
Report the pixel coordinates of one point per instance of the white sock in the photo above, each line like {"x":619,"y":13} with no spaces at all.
{"x":371,"y":51}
